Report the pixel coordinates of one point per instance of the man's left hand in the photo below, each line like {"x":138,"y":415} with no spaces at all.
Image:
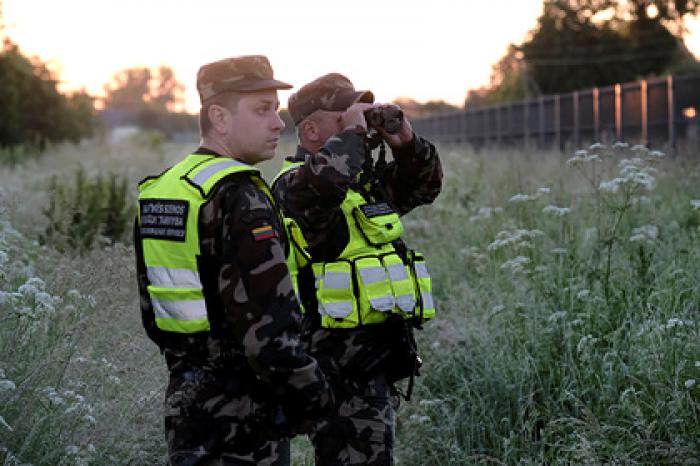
{"x":400,"y":138}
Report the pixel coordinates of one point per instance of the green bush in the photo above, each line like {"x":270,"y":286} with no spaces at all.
{"x":90,"y":209}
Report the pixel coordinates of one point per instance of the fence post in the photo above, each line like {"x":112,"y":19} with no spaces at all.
{"x":671,"y":114}
{"x":541,"y":102}
{"x":577,"y":135}
{"x":618,"y":112}
{"x":526,"y":121}
{"x":557,"y":121}
{"x":596,"y":114}
{"x":643,"y":97}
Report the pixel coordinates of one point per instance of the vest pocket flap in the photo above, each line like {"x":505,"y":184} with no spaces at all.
{"x":334,"y":293}
{"x":401,"y":283}
{"x":377,"y":226}
{"x":375,"y":284}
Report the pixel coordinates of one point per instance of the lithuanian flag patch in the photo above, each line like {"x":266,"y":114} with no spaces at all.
{"x":262,"y":233}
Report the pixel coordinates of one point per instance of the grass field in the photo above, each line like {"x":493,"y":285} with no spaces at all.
{"x":568,"y":332}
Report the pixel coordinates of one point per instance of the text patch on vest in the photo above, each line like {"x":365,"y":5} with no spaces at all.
{"x":376,"y":210}
{"x":164,"y":219}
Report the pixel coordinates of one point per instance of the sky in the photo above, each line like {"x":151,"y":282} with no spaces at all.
{"x":423,"y":49}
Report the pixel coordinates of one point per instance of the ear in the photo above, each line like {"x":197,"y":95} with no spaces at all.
{"x":309,"y":130}
{"x":218,"y":116}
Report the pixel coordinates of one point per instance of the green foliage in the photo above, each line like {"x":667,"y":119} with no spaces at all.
{"x":94,"y":207}
{"x":586,"y":43}
{"x":568,"y":331}
{"x":32,"y":111}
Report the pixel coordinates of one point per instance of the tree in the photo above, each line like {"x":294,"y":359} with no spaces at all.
{"x":32,"y":111}
{"x":584,"y":43}
{"x":414,"y":109}
{"x":149,"y":99}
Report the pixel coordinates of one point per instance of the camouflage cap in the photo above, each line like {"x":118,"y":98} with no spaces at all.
{"x":331,"y":92}
{"x":248,"y":73}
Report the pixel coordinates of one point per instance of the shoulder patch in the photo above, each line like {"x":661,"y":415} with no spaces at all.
{"x":164,"y":219}
{"x":264,"y":232}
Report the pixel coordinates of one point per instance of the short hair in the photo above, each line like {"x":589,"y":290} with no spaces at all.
{"x":227,"y":100}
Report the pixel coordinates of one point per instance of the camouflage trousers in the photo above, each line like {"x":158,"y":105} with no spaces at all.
{"x":209,"y":423}
{"x":361,"y":429}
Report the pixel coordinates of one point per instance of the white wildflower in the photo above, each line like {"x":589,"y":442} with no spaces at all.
{"x":611,"y":186}
{"x":697,"y":364}
{"x":695,"y":204}
{"x":521,"y":198}
{"x":620,"y":145}
{"x":91,"y":448}
{"x":430,"y":403}
{"x":673,"y":322}
{"x":575,"y":160}
{"x":584,"y":342}
{"x":2,"y":373}
{"x":497,"y":308}
{"x":639,"y":148}
{"x":581,"y":153}
{"x":647,"y":233}
{"x":559,"y":315}
{"x":114,"y":379}
{"x":541,"y":269}
{"x":4,"y":423}
{"x":419,"y":419}
{"x":516,"y":264}
{"x":3,"y":258}
{"x":72,"y":450}
{"x":690,"y":383}
{"x":89,"y":419}
{"x":544,"y":190}
{"x":595,"y":146}
{"x":73,"y":294}
{"x":592,"y":158}
{"x":7,"y":385}
{"x":27,"y":290}
{"x":657,"y":153}
{"x":556,"y":211}
{"x":583,"y":294}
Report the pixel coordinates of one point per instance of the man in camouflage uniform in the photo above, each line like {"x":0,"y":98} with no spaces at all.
{"x":329,"y":116}
{"x":238,"y":389}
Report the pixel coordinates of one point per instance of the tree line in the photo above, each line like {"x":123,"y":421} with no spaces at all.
{"x":579,"y":44}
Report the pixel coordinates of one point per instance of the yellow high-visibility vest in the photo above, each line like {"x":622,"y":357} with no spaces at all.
{"x":370,"y":279}
{"x":168,"y":217}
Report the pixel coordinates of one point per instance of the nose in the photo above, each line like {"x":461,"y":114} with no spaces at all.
{"x":278,"y":123}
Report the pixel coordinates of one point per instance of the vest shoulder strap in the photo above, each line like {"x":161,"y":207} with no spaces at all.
{"x":287,"y":166}
{"x":207,"y":175}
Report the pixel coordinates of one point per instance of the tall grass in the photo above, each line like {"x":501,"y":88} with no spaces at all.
{"x":567,"y":331}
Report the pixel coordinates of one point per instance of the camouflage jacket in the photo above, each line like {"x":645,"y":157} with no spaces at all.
{"x":252,"y":308}
{"x":312,"y":195}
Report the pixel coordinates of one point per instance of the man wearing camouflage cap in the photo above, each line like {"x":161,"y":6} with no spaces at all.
{"x":216,"y":292}
{"x":364,"y":289}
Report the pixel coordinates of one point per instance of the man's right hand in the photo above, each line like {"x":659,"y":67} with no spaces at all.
{"x":354,"y":116}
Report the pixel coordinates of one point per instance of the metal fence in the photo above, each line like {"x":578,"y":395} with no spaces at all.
{"x":658,"y":112}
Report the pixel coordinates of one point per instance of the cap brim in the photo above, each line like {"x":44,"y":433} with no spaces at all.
{"x":345,"y":100}
{"x":264,"y":85}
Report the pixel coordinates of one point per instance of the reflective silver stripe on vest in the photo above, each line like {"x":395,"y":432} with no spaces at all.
{"x":371,"y":275}
{"x":180,"y":310}
{"x":164,"y":277}
{"x":203,"y":176}
{"x":427,"y":300}
{"x":383,"y":303}
{"x":406,"y":302}
{"x":338,"y":310}
{"x":421,"y":270}
{"x":336,"y":280}
{"x":397,"y":272}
